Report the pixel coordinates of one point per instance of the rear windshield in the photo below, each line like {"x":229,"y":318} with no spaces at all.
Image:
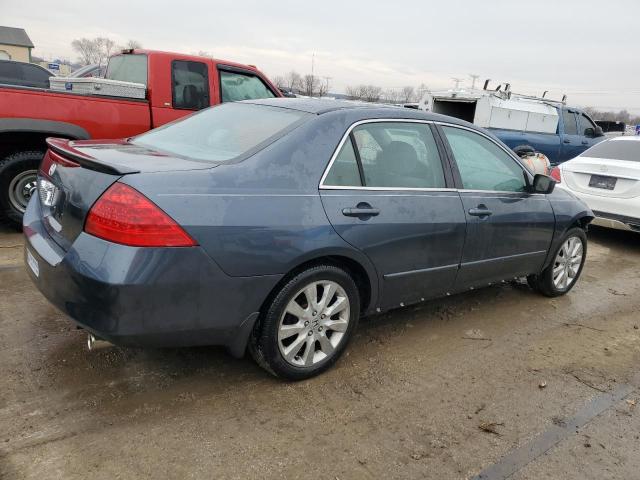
{"x":128,"y":68}
{"x":615,"y":150}
{"x":222,"y":133}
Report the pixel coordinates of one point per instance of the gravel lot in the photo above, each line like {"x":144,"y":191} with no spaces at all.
{"x":556,"y":381}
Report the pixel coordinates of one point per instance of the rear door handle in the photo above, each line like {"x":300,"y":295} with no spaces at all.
{"x":566,"y":140}
{"x":480,"y":212}
{"x":360,"y":212}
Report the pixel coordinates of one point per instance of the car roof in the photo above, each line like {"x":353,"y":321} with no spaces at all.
{"x":319,"y":106}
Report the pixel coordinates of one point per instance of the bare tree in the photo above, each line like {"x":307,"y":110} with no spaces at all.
{"x":309,"y":84}
{"x":293,"y":81}
{"x":133,"y":44}
{"x":94,"y":50}
{"x":408,"y":94}
{"x":391,"y":96}
{"x":279,"y":81}
{"x":367,"y":93}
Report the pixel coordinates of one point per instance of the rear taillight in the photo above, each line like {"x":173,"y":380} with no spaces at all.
{"x":124,"y":215}
{"x":555,"y":174}
{"x":51,"y":161}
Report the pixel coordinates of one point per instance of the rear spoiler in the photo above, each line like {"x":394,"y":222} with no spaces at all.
{"x":63,"y":147}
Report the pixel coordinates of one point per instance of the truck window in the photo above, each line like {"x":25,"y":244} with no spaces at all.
{"x":585,"y":124}
{"x":189,"y":85}
{"x":239,"y":86}
{"x":128,"y":68}
{"x":569,"y":120}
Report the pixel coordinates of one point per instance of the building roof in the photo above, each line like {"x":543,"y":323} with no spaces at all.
{"x":15,"y":36}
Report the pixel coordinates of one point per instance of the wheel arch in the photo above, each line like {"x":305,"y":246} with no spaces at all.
{"x":17,"y":134}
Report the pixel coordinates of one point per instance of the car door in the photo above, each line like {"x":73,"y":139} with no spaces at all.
{"x":509,"y":230}
{"x":388,"y":191}
{"x":571,"y":141}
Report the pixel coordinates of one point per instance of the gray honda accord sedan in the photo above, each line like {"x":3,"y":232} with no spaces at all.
{"x":273,"y":225}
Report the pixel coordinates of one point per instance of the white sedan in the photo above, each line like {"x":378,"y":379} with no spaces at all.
{"x":607,"y":178}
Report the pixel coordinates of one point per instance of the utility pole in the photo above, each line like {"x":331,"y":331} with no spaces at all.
{"x":456,"y":81}
{"x":327,"y":87}
{"x":474,"y":77}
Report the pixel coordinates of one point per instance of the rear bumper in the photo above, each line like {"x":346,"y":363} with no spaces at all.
{"x":619,"y":222}
{"x":144,"y":296}
{"x":612,"y":212}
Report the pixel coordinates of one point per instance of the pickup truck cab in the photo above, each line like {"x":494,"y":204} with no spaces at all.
{"x":575,"y":133}
{"x":176,"y":85}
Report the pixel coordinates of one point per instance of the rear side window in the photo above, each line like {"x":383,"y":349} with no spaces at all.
{"x":569,"y":119}
{"x":10,"y":71}
{"x":128,"y":68}
{"x":222,"y":133}
{"x":190,"y":85}
{"x":482,"y":164}
{"x":35,"y":74}
{"x":239,"y":86}
{"x":391,"y":155}
{"x":628,"y":150}
{"x":344,"y":171}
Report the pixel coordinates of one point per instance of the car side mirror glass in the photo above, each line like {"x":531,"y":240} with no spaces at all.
{"x":589,"y":132}
{"x":543,"y":184}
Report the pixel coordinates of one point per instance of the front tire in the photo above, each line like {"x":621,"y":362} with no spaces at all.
{"x":563,"y":273}
{"x":308,"y":324}
{"x":17,"y":184}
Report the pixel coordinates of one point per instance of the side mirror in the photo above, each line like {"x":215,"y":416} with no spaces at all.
{"x":589,"y":132}
{"x":543,"y":184}
{"x":599,"y":132}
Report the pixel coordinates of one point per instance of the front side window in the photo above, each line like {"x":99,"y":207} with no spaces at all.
{"x":128,"y":68}
{"x":586,"y":124}
{"x":391,"y":155}
{"x":222,"y":133}
{"x":569,"y":119}
{"x":35,"y":74}
{"x":190,"y":85}
{"x":482,"y":164}
{"x":239,"y":86}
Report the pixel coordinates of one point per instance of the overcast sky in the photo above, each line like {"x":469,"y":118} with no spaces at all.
{"x":588,"y":49}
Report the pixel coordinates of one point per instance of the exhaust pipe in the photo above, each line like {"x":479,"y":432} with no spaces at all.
{"x":94,"y":343}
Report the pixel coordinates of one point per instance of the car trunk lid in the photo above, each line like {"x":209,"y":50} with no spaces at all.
{"x":603,"y":177}
{"x":73,"y":175}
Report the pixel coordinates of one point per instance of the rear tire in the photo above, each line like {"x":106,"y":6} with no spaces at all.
{"x":297,"y":338}
{"x":17,"y":183}
{"x":565,"y":269}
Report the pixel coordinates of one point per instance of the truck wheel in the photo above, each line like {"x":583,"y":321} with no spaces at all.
{"x":17,"y":184}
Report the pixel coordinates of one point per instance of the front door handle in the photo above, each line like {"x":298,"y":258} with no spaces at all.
{"x":360,"y":212}
{"x":480,"y":212}
{"x":584,"y":142}
{"x":567,"y":140}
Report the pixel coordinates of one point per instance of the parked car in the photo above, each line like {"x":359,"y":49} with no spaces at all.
{"x":552,"y":128}
{"x":277,"y":223}
{"x":607,"y":178}
{"x":177,"y":85}
{"x":24,"y":74}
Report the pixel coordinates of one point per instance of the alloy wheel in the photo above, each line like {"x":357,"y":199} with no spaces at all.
{"x":567,"y":263}
{"x":313,"y":323}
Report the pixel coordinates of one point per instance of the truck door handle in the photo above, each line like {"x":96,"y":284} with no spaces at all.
{"x":584,"y":142}
{"x":362,"y":210}
{"x":481,"y":211}
{"x":566,"y":140}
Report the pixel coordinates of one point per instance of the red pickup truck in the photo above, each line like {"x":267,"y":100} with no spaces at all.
{"x":176,"y":85}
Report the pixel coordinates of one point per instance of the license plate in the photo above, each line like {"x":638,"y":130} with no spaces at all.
{"x":600,"y":181}
{"x":33,"y":263}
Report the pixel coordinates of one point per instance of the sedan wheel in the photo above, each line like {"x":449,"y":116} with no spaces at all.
{"x":563,"y":273}
{"x":313,"y":323}
{"x":308,"y":324}
{"x":567,"y":263}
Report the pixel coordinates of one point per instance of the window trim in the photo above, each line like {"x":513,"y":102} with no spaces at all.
{"x":348,"y":136}
{"x":242,"y":71}
{"x":173,"y":85}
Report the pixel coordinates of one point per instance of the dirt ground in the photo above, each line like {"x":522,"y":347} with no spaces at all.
{"x":555,"y":379}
